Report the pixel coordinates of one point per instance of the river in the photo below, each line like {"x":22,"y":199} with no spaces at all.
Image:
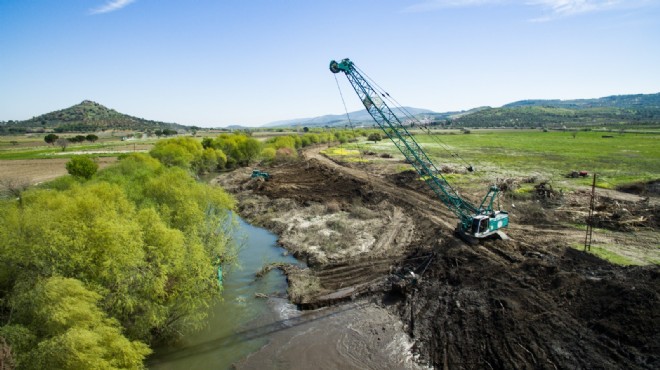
{"x":269,"y":333}
{"x":241,"y":323}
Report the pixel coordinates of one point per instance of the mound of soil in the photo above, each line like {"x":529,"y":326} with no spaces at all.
{"x":508,"y":306}
{"x":650,"y":188}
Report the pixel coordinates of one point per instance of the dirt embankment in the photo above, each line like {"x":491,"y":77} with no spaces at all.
{"x":526,"y":303}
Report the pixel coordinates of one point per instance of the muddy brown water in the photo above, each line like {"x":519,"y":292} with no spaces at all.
{"x":248,"y":332}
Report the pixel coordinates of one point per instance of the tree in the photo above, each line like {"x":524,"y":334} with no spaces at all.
{"x":239,"y":148}
{"x":51,"y":138}
{"x":169,"y":132}
{"x":141,"y":242}
{"x":375,"y":137}
{"x":82,"y":166}
{"x":69,"y":330}
{"x":178,"y":152}
{"x":207,"y":142}
{"x":62,"y":143}
{"x":77,"y":139}
{"x":91,"y":138}
{"x":305,"y":129}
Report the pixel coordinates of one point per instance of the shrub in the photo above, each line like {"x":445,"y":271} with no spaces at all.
{"x":51,"y":138}
{"x":268,"y":154}
{"x":82,"y":166}
{"x":375,"y":137}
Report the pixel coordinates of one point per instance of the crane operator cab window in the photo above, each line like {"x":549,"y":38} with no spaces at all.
{"x":480,"y":225}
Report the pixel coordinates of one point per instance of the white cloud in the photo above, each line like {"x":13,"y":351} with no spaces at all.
{"x":565,"y":8}
{"x":551,"y":9}
{"x":111,"y":6}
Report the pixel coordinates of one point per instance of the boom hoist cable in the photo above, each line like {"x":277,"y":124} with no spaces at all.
{"x":357,"y":144}
{"x":410,"y":117}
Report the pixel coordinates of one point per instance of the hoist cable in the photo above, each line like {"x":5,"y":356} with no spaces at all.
{"x":409,"y":115}
{"x":350,"y":123}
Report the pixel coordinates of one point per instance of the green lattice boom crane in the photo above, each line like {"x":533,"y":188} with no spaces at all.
{"x":474,"y":222}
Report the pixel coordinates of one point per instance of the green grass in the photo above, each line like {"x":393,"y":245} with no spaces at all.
{"x":40,"y":151}
{"x":608,"y":255}
{"x":619,"y":160}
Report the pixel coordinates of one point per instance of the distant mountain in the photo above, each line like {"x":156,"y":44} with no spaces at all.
{"x":644,"y":101}
{"x":339,"y":120}
{"x":86,"y":116}
{"x":640,"y":109}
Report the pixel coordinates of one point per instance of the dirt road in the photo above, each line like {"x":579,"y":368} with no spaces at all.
{"x":532,"y":302}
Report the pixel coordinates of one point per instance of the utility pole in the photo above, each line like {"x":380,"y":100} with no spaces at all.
{"x":590,"y":218}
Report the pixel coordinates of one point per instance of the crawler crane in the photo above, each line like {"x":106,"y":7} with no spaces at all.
{"x":475,"y":222}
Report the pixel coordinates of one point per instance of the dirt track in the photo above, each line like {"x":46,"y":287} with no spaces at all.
{"x":527,"y":303}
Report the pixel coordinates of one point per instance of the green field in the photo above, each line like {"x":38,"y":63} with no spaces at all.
{"x":621,"y":159}
{"x":34,"y":147}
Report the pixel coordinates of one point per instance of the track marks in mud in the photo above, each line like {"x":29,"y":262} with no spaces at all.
{"x":534,"y":309}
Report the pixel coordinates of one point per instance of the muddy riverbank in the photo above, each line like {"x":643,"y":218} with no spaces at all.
{"x":531,"y":302}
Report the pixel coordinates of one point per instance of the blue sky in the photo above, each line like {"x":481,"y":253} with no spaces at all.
{"x":221,"y":62}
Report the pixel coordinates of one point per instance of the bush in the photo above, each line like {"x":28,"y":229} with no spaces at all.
{"x":375,"y":137}
{"x":188,"y":153}
{"x":240,"y":149}
{"x":88,"y":269}
{"x":82,"y":166}
{"x":268,"y":154}
{"x":51,"y":138}
{"x":285,"y":154}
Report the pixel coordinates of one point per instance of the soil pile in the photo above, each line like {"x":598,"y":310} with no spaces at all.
{"x":507,"y":305}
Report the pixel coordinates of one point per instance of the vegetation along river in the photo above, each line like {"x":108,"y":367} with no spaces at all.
{"x":242,"y":322}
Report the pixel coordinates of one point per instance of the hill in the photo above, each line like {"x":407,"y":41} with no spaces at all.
{"x":87,"y":116}
{"x":619,"y":110}
{"x":360,"y":117}
{"x":642,"y":101}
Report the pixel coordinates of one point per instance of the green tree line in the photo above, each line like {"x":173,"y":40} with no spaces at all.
{"x":94,"y":271}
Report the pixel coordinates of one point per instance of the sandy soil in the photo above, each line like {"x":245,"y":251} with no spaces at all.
{"x":529,"y":302}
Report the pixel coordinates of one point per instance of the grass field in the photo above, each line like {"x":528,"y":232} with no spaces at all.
{"x":33,"y":147}
{"x":621,"y":159}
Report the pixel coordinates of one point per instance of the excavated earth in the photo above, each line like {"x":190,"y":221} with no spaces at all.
{"x":528,"y":302}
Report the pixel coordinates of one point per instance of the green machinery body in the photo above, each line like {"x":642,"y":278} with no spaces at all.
{"x":478,"y":222}
{"x":260,"y":174}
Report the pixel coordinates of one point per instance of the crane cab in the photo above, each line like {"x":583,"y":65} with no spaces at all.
{"x":488,"y":224}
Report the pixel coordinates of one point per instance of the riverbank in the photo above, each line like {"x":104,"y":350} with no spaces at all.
{"x":471,"y":307}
